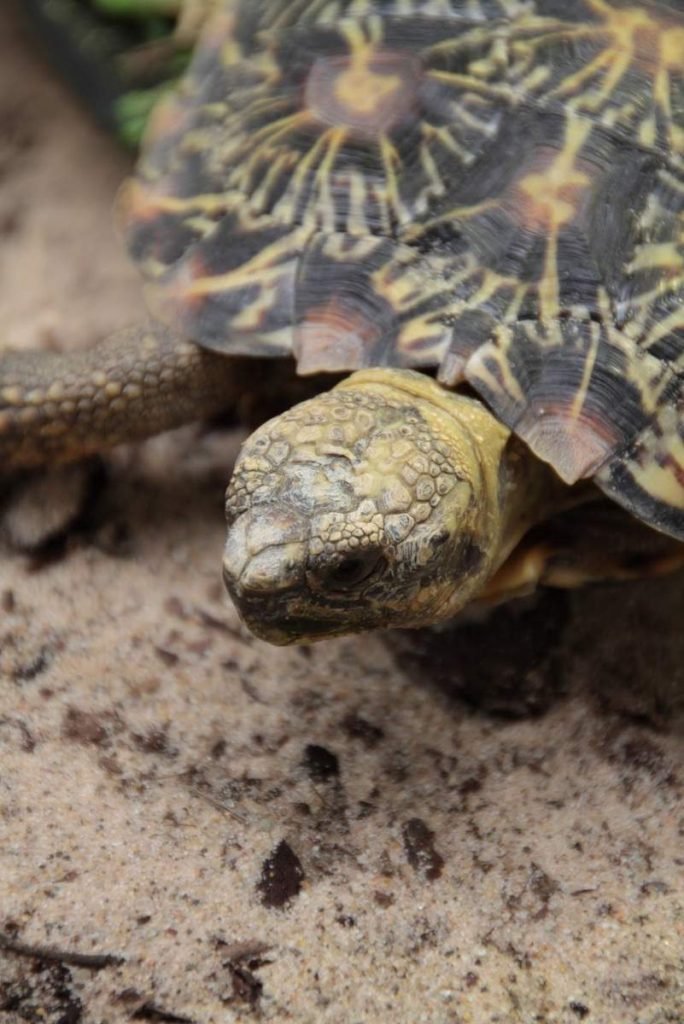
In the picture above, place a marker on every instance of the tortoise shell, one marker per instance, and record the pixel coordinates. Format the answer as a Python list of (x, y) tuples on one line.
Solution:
[(493, 189)]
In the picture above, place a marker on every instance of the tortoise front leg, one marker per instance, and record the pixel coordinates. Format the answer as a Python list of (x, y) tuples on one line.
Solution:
[(57, 407), (595, 542)]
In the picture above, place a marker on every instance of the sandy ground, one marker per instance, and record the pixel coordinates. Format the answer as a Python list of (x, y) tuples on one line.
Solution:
[(482, 827)]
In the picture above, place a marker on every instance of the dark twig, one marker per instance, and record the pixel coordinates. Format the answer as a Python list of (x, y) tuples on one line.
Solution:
[(93, 961)]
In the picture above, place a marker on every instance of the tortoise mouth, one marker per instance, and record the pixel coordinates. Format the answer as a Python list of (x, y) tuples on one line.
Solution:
[(294, 614), (286, 630)]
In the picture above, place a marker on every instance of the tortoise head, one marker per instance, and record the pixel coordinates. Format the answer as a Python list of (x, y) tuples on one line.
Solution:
[(373, 505)]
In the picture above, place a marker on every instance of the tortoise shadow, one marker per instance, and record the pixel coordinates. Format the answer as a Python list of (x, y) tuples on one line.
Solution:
[(620, 647)]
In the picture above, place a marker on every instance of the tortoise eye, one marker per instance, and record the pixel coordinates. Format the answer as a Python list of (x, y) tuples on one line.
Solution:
[(349, 572)]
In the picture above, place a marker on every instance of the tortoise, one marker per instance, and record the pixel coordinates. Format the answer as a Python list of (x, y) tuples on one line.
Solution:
[(470, 215)]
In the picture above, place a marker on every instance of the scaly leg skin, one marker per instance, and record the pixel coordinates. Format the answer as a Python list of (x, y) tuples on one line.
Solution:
[(598, 542), (59, 407)]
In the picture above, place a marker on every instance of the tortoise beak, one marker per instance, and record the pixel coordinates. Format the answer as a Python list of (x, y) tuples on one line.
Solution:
[(265, 553), (265, 573)]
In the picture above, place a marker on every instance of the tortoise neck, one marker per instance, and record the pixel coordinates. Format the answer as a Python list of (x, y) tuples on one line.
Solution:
[(511, 489)]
